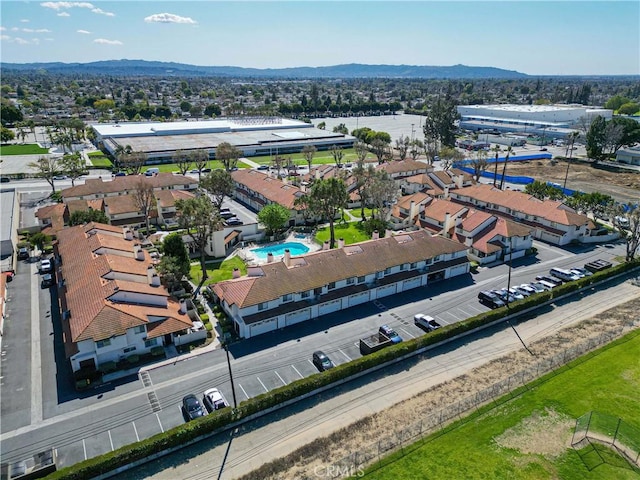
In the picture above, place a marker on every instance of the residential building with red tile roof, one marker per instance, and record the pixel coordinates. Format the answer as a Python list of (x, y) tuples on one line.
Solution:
[(406, 211), (297, 289), (111, 299), (440, 216), (551, 221), (404, 168), (422, 183)]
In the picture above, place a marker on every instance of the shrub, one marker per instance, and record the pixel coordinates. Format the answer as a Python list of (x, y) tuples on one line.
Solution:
[(204, 317), (108, 367), (157, 351), (133, 359)]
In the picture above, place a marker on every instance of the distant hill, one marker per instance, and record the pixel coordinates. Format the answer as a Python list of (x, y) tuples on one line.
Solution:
[(352, 70)]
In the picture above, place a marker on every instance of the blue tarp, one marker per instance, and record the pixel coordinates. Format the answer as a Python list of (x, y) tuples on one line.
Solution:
[(512, 158), (507, 178)]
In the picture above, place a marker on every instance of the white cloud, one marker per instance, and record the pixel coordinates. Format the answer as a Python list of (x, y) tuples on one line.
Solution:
[(39, 30), (15, 29), (67, 5), (63, 14), (85, 32), (24, 20), (169, 18), (2, 29), (104, 41), (43, 30), (21, 41), (5, 37)]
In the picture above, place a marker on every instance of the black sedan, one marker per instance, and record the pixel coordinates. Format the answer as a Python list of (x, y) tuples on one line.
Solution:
[(321, 361), (192, 408)]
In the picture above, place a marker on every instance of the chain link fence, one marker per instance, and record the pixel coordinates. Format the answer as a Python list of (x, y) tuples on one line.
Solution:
[(498, 393)]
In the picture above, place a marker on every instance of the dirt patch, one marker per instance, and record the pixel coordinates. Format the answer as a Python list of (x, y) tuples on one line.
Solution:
[(357, 436), (545, 433), (623, 185)]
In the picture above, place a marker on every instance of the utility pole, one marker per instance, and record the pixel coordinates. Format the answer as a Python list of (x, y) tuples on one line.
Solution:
[(233, 388), (509, 293)]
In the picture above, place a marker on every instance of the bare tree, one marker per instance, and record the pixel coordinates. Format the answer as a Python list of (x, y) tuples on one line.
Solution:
[(144, 198), (627, 220), (228, 154), (362, 150), (450, 155), (415, 148), (308, 152), (337, 154), (613, 133), (73, 166), (133, 162), (496, 149), (182, 160), (383, 191), (199, 158), (47, 167), (379, 147), (504, 167), (402, 146), (278, 162), (479, 164)]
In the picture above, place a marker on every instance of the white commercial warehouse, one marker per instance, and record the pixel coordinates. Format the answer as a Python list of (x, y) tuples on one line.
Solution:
[(252, 135), (550, 120)]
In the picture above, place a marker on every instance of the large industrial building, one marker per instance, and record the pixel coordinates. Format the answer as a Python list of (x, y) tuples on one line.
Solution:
[(554, 121), (252, 135)]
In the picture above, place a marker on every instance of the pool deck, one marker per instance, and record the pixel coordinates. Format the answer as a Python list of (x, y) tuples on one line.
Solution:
[(251, 259)]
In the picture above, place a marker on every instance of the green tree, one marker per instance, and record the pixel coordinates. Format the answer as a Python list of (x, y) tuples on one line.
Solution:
[(341, 128), (133, 162), (596, 138), (39, 240), (9, 113), (543, 191), (382, 193), (173, 246), (626, 218), (144, 198), (80, 217), (363, 177), (47, 167), (213, 110), (479, 164), (199, 158), (629, 108), (182, 160), (73, 166), (449, 156), (337, 154), (439, 123), (228, 154), (171, 272), (6, 135), (325, 199), (274, 216), (615, 102), (629, 132), (200, 219), (104, 105), (219, 184)]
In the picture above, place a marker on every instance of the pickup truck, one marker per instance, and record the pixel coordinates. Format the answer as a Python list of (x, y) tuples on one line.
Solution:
[(374, 343), (426, 322)]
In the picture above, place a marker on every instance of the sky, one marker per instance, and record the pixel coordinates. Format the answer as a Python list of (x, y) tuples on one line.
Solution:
[(533, 37)]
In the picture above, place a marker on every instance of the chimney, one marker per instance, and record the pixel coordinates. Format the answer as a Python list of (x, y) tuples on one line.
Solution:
[(236, 272), (458, 179), (388, 233), (341, 243), (325, 245), (183, 306), (287, 257), (376, 235), (138, 253), (128, 234), (447, 224), (150, 273), (412, 211), (446, 192), (155, 280), (317, 174)]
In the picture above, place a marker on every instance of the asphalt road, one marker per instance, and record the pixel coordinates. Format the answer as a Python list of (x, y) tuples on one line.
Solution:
[(98, 421)]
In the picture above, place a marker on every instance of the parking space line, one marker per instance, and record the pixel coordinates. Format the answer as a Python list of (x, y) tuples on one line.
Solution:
[(297, 371), (346, 356), (160, 423), (84, 447), (136, 431), (243, 391), (265, 388), (455, 317), (412, 336), (311, 363), (110, 440), (279, 377)]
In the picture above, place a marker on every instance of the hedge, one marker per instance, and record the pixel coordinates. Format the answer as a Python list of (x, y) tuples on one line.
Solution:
[(220, 420)]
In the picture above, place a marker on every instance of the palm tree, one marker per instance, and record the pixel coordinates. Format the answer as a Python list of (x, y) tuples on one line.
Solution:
[(497, 150), (504, 167)]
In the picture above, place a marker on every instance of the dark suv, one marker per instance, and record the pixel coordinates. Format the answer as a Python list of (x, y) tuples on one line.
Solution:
[(490, 299), (321, 361), (192, 408), (23, 253)]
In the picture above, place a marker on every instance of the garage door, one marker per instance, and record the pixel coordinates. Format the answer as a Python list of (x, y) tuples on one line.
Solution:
[(328, 307), (358, 298), (411, 283), (263, 327), (459, 270), (386, 290), (296, 317)]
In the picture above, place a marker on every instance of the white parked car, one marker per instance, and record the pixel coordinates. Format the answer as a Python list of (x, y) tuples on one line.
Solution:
[(214, 400), (45, 266)]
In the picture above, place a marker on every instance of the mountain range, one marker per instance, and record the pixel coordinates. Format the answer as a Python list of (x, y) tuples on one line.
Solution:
[(352, 70)]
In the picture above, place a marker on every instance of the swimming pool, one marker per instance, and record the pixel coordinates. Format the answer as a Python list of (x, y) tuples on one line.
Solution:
[(296, 248)]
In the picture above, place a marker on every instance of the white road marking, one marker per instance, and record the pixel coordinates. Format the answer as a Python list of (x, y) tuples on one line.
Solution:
[(412, 336), (311, 363), (265, 388), (111, 440), (243, 391), (281, 379), (297, 371), (346, 356), (160, 423), (135, 430), (84, 447), (36, 358)]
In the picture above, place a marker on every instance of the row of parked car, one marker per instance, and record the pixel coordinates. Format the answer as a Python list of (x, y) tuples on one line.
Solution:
[(556, 277), (229, 217), (212, 400)]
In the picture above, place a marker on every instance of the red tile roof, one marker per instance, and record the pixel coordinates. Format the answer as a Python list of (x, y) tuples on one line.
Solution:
[(438, 208), (273, 189), (405, 166), (96, 186)]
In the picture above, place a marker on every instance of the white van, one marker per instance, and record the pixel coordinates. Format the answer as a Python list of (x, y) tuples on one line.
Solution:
[(563, 274), (151, 171)]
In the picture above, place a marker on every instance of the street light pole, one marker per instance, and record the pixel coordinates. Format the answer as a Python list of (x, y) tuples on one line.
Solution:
[(233, 388)]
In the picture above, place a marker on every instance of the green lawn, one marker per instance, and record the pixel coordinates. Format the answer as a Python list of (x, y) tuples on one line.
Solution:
[(320, 158), (217, 271), (27, 149), (351, 232), (172, 167), (356, 212), (608, 382), (100, 161)]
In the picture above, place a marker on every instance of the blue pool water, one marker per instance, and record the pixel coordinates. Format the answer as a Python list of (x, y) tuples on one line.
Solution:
[(295, 248)]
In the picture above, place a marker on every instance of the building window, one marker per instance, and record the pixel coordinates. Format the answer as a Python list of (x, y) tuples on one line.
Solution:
[(287, 297), (263, 305), (129, 349), (331, 286), (436, 258), (403, 267), (387, 270), (361, 279), (305, 294), (414, 265), (350, 280), (103, 343), (151, 342), (139, 329)]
